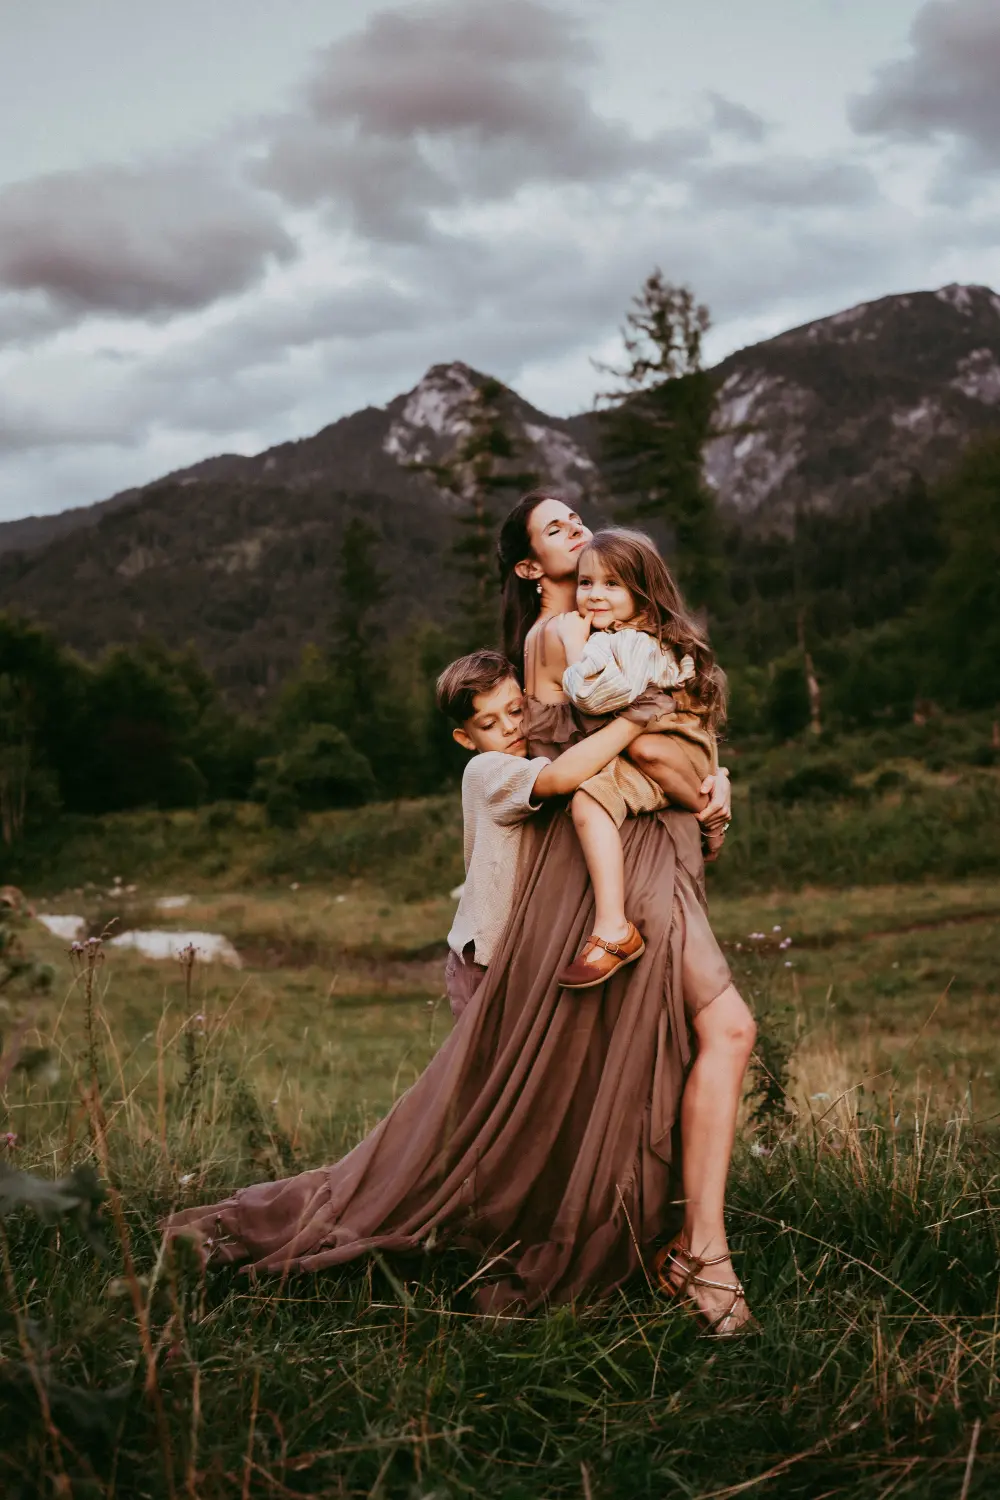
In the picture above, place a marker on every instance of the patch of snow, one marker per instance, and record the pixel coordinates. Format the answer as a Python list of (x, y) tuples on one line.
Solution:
[(138, 561), (171, 903), (430, 408), (957, 296), (849, 315), (68, 928), (155, 943), (560, 452), (735, 405), (979, 377), (918, 416)]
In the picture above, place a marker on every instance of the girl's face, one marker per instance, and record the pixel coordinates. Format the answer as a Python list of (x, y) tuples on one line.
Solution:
[(602, 595), (557, 538)]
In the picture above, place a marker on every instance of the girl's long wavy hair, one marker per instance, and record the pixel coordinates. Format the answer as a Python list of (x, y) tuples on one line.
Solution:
[(632, 558), (521, 602)]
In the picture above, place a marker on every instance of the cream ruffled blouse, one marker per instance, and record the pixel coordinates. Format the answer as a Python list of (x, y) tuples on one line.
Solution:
[(616, 666)]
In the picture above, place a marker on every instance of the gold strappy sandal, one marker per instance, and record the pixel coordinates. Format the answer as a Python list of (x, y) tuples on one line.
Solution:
[(722, 1326)]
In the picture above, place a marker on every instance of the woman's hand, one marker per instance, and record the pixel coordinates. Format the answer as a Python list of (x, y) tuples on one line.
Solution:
[(716, 817), (575, 632)]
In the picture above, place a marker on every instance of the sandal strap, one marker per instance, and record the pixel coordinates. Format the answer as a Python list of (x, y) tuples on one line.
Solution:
[(615, 949), (736, 1287)]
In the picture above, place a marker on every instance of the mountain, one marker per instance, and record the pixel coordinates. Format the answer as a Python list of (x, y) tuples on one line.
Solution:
[(847, 408), (238, 554)]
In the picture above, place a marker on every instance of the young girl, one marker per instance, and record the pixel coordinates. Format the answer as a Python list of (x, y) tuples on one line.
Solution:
[(645, 640)]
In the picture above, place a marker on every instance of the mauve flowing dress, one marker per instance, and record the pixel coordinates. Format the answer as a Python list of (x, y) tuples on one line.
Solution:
[(542, 1132)]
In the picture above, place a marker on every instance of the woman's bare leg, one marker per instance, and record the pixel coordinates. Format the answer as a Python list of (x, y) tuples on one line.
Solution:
[(725, 1032)]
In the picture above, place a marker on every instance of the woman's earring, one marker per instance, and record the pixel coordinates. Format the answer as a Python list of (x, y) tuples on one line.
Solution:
[(538, 587)]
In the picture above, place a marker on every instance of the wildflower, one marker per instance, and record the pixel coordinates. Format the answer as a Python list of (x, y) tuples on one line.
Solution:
[(186, 1179), (775, 929), (294, 885), (819, 1096), (757, 1149), (789, 964), (10, 1139)]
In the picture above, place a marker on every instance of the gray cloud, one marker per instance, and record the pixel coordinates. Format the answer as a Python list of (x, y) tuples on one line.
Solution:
[(148, 241), (948, 87), (453, 103), (456, 193), (785, 182), (732, 118)]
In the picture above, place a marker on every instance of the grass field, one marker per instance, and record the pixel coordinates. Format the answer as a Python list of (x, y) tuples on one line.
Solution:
[(867, 1215)]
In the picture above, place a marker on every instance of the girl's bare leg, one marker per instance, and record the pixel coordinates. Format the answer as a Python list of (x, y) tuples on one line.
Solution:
[(602, 850), (725, 1032)]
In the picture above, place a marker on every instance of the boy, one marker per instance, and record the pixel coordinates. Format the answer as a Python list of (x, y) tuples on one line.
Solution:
[(501, 789)]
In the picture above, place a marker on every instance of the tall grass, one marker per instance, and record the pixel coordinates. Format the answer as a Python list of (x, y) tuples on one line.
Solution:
[(867, 1239)]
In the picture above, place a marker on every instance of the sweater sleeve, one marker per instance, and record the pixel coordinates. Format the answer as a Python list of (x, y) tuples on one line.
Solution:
[(616, 666)]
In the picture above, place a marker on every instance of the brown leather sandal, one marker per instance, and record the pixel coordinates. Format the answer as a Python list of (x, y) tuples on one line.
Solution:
[(584, 976), (677, 1256)]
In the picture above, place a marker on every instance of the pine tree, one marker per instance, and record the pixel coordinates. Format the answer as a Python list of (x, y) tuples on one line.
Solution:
[(655, 424), (480, 473), (361, 589)]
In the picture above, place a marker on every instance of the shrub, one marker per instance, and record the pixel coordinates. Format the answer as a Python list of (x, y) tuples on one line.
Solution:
[(321, 769)]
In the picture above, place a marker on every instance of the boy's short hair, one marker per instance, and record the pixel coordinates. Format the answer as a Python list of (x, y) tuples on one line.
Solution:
[(462, 682)]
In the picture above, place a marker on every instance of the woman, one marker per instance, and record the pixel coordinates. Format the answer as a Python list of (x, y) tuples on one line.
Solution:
[(540, 1135), (540, 544)]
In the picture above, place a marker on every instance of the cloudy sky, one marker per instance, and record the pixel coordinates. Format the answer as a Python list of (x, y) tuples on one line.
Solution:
[(224, 223)]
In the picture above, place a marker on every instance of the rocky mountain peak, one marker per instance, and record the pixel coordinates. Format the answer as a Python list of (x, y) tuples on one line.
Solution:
[(845, 409), (429, 422), (432, 415)]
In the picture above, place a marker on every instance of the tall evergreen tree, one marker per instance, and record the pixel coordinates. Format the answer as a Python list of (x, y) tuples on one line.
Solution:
[(481, 472), (361, 590), (962, 615), (655, 424)]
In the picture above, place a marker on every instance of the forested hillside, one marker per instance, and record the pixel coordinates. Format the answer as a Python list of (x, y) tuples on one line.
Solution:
[(271, 627)]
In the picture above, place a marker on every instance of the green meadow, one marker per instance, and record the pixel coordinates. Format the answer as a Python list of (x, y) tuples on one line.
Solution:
[(865, 1198)]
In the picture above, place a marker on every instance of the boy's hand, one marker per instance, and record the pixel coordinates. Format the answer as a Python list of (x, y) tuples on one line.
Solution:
[(575, 631)]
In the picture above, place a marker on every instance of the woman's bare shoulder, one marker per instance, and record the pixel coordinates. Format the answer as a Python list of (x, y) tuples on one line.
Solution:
[(545, 659)]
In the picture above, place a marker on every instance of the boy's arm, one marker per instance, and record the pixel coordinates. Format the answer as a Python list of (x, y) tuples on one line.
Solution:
[(577, 764)]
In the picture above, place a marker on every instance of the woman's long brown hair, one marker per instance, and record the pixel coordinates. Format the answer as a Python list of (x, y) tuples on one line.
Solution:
[(631, 557), (521, 601)]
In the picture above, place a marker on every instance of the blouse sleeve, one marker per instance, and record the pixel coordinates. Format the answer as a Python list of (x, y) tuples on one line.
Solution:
[(614, 669)]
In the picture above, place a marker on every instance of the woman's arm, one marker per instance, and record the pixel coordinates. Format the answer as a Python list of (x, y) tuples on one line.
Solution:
[(719, 812), (577, 764)]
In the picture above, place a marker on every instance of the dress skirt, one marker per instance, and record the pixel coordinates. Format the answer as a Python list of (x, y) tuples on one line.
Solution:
[(543, 1131)]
